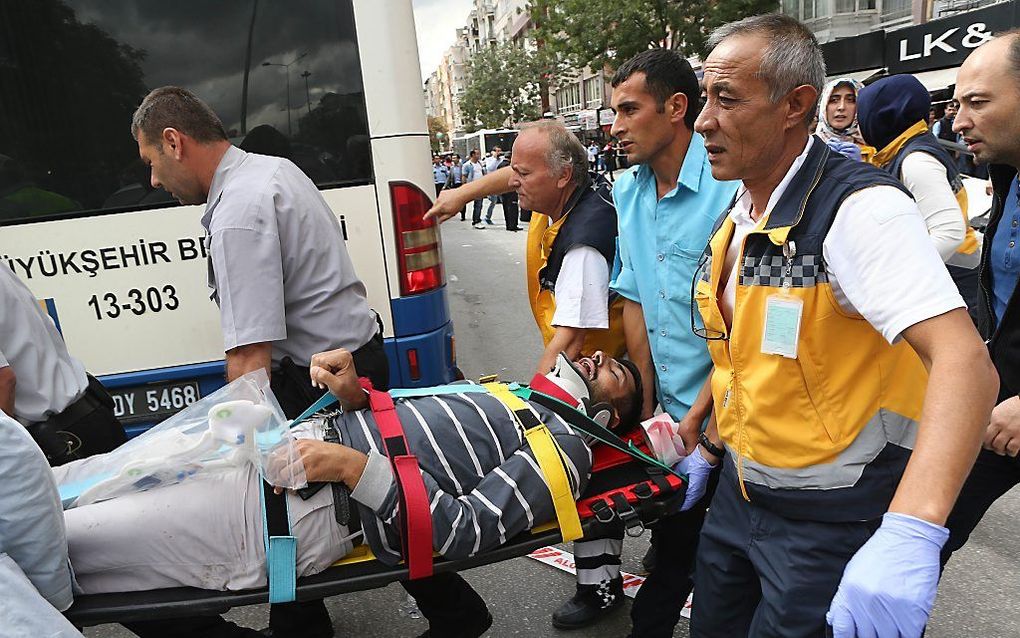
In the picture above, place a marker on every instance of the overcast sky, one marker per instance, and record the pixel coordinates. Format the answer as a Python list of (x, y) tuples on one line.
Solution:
[(436, 22)]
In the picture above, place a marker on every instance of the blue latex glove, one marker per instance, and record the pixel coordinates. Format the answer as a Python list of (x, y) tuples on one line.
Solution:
[(697, 470), (847, 149), (888, 587)]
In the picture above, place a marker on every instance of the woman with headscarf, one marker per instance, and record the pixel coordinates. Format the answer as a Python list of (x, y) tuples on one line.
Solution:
[(837, 119), (893, 117)]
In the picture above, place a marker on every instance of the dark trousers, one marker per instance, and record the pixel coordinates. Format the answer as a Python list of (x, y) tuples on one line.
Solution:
[(449, 603), (510, 213), (493, 200), (991, 477), (656, 609), (86, 427), (476, 213), (762, 574), (293, 387), (439, 187)]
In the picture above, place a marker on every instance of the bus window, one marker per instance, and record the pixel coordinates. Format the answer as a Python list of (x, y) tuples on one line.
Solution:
[(284, 77)]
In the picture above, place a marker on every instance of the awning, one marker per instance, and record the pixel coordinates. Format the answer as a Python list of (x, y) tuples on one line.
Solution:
[(937, 80), (860, 76)]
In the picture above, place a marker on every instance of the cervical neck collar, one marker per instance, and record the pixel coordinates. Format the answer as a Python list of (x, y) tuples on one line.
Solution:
[(566, 384)]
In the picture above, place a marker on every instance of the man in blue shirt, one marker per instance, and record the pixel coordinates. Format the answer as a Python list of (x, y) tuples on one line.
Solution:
[(667, 205), (440, 173), (988, 94)]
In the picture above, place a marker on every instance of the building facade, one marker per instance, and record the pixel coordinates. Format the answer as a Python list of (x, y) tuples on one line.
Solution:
[(576, 99)]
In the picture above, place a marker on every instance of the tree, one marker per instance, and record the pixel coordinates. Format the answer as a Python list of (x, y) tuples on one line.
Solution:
[(606, 33), (502, 86), (437, 132)]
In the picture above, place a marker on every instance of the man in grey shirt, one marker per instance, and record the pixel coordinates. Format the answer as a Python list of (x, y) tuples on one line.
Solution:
[(43, 387), (278, 268)]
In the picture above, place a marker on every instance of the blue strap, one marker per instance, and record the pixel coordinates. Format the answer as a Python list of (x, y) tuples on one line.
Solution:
[(456, 388), (281, 566), (328, 399), (281, 558)]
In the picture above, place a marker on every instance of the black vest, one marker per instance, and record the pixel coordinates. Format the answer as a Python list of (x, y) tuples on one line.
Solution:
[(927, 143), (591, 221), (946, 130)]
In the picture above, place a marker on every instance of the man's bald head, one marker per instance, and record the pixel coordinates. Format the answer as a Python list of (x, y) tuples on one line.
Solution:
[(988, 89)]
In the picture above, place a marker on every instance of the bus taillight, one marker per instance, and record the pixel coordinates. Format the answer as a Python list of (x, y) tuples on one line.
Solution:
[(418, 243)]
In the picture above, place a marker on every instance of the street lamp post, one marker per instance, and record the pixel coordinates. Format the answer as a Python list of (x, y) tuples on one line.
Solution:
[(308, 99), (286, 68)]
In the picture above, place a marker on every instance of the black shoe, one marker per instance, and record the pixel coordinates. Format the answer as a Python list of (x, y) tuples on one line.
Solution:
[(587, 607), (476, 629)]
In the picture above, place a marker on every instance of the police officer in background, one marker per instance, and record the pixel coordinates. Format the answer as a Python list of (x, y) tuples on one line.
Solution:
[(68, 413), (286, 289)]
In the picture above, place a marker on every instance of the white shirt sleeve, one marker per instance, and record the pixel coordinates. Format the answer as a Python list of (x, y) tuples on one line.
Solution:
[(883, 263), (582, 290), (925, 177)]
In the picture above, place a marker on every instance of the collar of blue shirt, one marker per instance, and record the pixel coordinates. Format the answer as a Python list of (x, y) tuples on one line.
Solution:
[(690, 171)]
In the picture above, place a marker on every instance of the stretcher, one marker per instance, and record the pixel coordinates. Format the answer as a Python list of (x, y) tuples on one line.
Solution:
[(623, 491)]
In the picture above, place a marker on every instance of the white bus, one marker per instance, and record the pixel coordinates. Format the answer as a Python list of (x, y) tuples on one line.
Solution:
[(484, 141), (333, 85)]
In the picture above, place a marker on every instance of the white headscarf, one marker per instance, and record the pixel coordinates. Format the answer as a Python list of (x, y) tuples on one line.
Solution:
[(825, 131)]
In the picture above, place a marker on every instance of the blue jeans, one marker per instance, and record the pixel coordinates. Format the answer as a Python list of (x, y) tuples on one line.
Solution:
[(492, 203)]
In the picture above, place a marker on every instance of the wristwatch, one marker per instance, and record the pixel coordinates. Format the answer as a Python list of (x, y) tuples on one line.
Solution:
[(712, 448)]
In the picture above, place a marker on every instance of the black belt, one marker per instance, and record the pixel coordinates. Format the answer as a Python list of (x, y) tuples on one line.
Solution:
[(52, 435), (276, 511)]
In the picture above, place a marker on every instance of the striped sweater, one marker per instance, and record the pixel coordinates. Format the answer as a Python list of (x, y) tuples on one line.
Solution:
[(483, 481)]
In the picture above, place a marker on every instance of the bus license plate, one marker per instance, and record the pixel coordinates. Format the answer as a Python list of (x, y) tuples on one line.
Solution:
[(153, 401)]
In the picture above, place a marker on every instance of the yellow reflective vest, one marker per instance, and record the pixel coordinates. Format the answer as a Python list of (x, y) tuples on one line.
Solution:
[(826, 435)]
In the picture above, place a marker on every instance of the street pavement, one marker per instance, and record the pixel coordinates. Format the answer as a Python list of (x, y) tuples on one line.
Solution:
[(496, 334)]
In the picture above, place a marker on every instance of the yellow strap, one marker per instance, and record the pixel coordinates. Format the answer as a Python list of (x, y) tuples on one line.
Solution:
[(550, 461)]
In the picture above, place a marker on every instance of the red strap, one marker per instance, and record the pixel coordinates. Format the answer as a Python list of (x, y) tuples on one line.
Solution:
[(584, 506), (414, 503)]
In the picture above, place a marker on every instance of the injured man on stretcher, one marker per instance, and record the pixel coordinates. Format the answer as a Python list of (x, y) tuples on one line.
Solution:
[(482, 479)]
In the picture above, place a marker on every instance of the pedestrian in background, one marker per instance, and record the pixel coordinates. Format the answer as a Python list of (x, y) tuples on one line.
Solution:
[(440, 173), (456, 179), (510, 203), (609, 159), (473, 171), (489, 166), (837, 119)]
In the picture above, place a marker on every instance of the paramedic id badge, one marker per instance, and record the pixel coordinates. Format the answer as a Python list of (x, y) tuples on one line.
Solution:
[(782, 325)]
